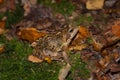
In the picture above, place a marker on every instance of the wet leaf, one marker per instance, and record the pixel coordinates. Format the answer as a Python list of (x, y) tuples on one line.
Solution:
[(116, 30), (47, 59), (78, 47), (30, 34), (26, 6), (2, 27), (102, 62), (33, 2), (2, 48), (2, 31), (84, 32), (2, 24), (94, 4), (96, 46), (34, 59), (115, 67), (107, 59), (1, 1), (116, 55), (12, 5)]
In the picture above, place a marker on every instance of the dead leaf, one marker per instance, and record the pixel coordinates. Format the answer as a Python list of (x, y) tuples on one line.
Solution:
[(2, 24), (1, 1), (116, 55), (78, 47), (2, 31), (94, 4), (30, 34), (116, 30), (33, 2), (107, 59), (96, 46), (64, 72), (12, 5), (34, 59), (115, 67), (47, 59), (26, 6), (84, 32), (2, 27), (102, 62), (2, 47)]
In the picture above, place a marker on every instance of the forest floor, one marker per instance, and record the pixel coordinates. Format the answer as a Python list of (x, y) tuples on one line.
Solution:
[(59, 39)]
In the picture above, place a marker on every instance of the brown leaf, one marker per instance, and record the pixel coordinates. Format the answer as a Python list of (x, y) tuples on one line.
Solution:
[(30, 34), (12, 5), (107, 59), (116, 30), (34, 59), (78, 47), (94, 4), (102, 63), (2, 27), (33, 2), (1, 1), (116, 55), (84, 32), (2, 24), (96, 46), (2, 31), (115, 67), (2, 47), (26, 6)]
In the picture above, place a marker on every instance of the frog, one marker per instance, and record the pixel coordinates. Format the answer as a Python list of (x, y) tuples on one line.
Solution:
[(50, 45)]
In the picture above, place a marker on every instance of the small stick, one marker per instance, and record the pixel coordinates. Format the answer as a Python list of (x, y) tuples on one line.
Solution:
[(65, 70)]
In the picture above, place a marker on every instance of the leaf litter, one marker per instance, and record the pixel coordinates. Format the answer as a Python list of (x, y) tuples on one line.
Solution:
[(52, 35)]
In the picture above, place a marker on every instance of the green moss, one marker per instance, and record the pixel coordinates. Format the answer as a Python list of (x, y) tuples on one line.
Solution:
[(79, 68), (83, 20), (15, 66), (13, 16), (64, 7)]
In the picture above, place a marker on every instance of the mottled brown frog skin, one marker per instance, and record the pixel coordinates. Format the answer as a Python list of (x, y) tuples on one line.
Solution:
[(51, 43)]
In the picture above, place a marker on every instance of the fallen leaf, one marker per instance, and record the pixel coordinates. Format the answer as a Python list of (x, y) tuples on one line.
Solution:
[(107, 59), (2, 27), (102, 62), (78, 47), (94, 4), (115, 67), (1, 1), (12, 5), (30, 34), (2, 47), (2, 31), (2, 24), (96, 46), (26, 6), (64, 72), (116, 30), (84, 32), (116, 55), (47, 59), (34, 59), (33, 2)]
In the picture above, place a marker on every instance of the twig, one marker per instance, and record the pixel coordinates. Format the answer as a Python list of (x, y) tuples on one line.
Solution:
[(65, 70)]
